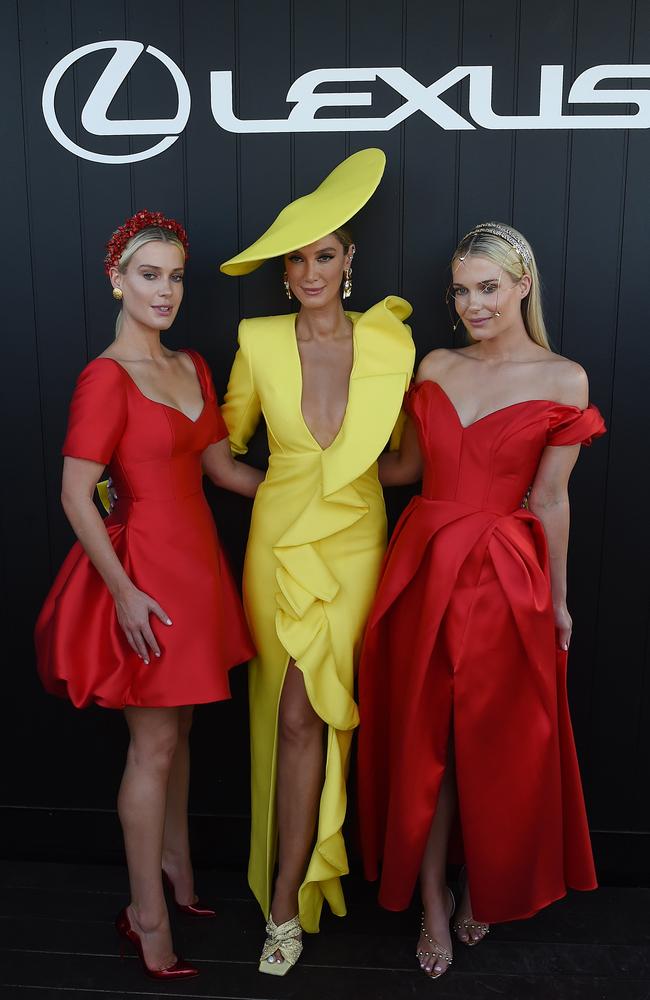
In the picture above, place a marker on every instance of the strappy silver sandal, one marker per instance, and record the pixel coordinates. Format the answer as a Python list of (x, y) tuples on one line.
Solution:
[(468, 923), (436, 951)]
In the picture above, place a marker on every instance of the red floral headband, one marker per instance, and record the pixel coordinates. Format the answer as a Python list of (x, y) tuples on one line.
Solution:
[(141, 220)]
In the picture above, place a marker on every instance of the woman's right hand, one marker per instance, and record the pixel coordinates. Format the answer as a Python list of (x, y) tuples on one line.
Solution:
[(133, 608), (112, 494)]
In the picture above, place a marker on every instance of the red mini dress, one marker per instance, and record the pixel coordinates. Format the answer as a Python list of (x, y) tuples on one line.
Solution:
[(461, 642), (164, 534)]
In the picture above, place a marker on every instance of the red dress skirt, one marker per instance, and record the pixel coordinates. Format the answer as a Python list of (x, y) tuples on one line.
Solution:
[(461, 644), (164, 535)]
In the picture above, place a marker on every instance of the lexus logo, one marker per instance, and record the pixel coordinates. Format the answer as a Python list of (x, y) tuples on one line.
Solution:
[(93, 116), (307, 101)]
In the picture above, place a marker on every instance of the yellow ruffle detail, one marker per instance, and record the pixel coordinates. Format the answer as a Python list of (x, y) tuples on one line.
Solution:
[(327, 556)]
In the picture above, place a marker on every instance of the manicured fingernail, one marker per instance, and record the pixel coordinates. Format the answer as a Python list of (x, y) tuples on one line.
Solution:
[(169, 621), (146, 660)]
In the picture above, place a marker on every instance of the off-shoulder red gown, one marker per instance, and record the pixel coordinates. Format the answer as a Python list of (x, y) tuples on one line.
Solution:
[(461, 640), (164, 534)]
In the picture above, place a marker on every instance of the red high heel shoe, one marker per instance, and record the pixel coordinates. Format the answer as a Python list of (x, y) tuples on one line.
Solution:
[(191, 909), (179, 970)]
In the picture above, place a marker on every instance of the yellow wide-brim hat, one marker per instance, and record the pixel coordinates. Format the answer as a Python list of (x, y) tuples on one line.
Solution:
[(307, 219)]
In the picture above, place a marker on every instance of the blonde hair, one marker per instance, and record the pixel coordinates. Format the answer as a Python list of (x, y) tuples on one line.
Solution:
[(141, 238), (344, 236), (483, 243)]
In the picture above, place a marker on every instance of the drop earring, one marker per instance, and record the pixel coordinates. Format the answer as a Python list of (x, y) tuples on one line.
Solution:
[(287, 286), (454, 326), (347, 284)]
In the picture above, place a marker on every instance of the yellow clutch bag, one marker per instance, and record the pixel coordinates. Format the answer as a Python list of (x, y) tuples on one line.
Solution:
[(102, 490)]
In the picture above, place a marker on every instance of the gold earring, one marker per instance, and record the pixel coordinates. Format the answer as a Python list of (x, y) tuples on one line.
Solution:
[(347, 284), (287, 286), (117, 294), (454, 326)]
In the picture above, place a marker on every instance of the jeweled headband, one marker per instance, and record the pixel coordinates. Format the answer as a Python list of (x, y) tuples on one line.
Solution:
[(496, 229), (141, 220)]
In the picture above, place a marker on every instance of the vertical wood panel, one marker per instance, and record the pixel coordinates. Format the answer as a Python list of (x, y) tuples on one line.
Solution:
[(104, 190), (376, 39), (212, 299), (56, 248), (430, 174), (158, 183), (25, 558), (542, 158), (320, 37), (60, 310), (620, 759), (264, 74), (489, 37), (590, 312)]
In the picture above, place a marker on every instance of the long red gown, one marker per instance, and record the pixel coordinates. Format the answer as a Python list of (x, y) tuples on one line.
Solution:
[(163, 532), (461, 640)]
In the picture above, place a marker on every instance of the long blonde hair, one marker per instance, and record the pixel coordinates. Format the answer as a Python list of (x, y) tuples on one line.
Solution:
[(144, 236), (482, 243)]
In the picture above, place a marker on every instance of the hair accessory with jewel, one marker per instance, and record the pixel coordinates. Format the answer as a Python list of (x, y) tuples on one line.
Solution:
[(497, 229), (141, 220)]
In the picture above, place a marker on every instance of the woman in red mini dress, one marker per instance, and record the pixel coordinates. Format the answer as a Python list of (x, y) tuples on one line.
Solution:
[(464, 715), (144, 615)]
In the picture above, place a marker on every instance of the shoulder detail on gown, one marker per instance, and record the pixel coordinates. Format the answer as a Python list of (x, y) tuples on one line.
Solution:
[(97, 414), (382, 370), (571, 425)]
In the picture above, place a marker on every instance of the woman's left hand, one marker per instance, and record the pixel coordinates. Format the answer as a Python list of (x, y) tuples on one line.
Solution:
[(563, 626), (107, 494)]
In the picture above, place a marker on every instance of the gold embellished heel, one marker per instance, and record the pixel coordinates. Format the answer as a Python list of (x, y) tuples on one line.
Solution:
[(285, 938), (437, 952)]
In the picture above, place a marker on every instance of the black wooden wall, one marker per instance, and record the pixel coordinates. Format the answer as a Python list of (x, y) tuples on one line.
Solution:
[(580, 196)]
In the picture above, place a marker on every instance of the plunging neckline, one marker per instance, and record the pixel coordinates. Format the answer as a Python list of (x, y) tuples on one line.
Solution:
[(159, 402), (500, 409), (355, 354)]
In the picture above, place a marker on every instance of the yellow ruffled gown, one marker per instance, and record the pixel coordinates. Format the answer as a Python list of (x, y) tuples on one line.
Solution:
[(317, 538)]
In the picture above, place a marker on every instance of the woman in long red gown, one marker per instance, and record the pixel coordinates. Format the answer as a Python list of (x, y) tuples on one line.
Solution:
[(462, 690), (144, 615)]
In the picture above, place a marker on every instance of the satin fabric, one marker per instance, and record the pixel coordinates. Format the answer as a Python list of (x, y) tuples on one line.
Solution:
[(164, 535), (315, 548), (461, 646)]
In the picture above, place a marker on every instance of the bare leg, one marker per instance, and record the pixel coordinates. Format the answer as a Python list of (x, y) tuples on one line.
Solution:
[(176, 842), (435, 897), (299, 786), (141, 806)]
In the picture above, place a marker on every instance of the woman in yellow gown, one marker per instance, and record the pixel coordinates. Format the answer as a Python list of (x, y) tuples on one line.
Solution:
[(330, 386)]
